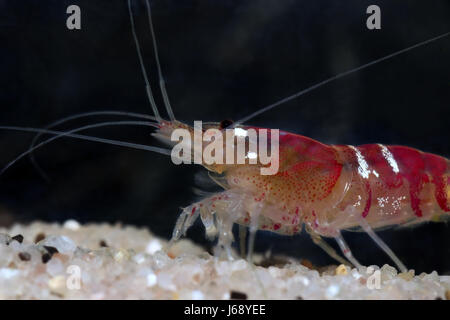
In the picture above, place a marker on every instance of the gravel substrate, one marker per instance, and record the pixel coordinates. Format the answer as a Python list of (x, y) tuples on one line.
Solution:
[(100, 261)]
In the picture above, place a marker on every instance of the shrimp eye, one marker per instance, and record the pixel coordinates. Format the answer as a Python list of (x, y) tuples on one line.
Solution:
[(225, 123)]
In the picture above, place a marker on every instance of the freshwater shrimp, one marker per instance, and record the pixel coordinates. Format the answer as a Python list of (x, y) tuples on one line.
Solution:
[(326, 188)]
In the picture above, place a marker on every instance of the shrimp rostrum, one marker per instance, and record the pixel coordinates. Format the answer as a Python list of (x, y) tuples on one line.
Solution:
[(321, 188)]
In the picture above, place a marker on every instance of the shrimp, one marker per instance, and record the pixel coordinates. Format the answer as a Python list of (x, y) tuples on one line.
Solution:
[(323, 188), (327, 188)]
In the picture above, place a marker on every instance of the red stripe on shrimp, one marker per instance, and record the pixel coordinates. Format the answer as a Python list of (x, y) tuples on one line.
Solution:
[(369, 200), (412, 167), (437, 166)]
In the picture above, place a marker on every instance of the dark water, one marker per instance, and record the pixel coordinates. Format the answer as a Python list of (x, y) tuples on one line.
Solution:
[(221, 59)]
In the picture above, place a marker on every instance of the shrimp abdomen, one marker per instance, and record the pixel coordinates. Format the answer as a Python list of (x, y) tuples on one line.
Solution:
[(397, 183)]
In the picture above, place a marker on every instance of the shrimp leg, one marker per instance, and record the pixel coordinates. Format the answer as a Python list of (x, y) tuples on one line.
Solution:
[(253, 228), (318, 240), (346, 250), (382, 245), (242, 238)]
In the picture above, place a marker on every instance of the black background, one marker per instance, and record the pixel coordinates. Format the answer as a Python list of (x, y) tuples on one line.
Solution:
[(221, 59)]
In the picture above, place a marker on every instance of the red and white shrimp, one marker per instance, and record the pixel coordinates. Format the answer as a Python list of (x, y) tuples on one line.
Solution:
[(326, 188)]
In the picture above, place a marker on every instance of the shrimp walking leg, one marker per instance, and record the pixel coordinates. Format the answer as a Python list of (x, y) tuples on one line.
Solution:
[(242, 238), (251, 244), (383, 245), (318, 240), (218, 214), (254, 226), (346, 250), (184, 221)]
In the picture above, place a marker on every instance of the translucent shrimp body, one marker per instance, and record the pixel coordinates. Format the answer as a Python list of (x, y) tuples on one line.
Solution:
[(328, 188)]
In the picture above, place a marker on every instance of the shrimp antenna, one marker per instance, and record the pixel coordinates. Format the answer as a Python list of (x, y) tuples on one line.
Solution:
[(72, 134), (141, 62), (338, 76), (162, 83), (77, 116)]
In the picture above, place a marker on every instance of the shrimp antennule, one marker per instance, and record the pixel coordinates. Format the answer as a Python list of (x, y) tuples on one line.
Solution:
[(162, 83), (141, 63), (144, 71)]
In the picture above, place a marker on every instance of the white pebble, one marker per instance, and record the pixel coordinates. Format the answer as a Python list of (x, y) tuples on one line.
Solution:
[(57, 283), (121, 255), (15, 245), (7, 273), (152, 279), (4, 238), (388, 272), (165, 281), (432, 277), (332, 291), (197, 295), (274, 271), (356, 274), (55, 267), (153, 246), (64, 244), (97, 296), (241, 264), (85, 278), (71, 225), (139, 258), (304, 280), (389, 269), (161, 259)]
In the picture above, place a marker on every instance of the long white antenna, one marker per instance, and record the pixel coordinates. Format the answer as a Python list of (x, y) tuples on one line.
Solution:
[(340, 75), (77, 116), (72, 134), (141, 62), (161, 79)]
